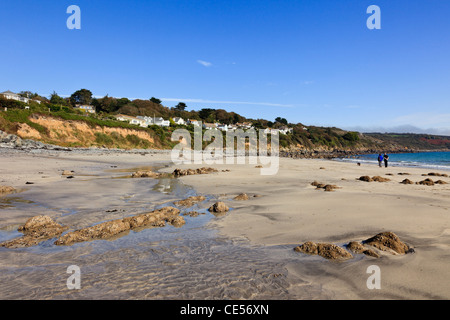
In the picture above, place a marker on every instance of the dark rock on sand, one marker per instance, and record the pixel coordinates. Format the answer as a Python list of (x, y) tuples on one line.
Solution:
[(387, 241), (242, 196), (375, 178), (35, 230), (218, 207), (326, 187), (380, 179), (436, 174), (426, 182), (357, 247), (189, 202), (145, 174), (407, 181), (187, 172), (325, 250), (109, 229), (192, 213)]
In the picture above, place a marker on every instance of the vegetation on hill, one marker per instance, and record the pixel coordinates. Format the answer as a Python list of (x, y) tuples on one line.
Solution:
[(302, 136)]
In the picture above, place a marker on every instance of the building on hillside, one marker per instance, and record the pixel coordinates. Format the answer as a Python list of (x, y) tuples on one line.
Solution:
[(179, 120), (222, 127), (286, 130), (85, 108), (195, 123), (159, 121), (209, 126), (14, 96), (132, 120), (244, 125)]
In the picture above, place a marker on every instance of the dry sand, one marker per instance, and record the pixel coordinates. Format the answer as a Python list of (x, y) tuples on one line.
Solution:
[(286, 212), (290, 211)]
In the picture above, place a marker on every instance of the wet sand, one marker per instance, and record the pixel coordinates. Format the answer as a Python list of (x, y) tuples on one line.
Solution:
[(245, 254)]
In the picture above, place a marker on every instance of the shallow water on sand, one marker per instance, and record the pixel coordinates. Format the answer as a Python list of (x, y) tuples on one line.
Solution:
[(191, 262)]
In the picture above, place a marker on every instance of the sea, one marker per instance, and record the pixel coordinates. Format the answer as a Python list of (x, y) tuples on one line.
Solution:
[(430, 160)]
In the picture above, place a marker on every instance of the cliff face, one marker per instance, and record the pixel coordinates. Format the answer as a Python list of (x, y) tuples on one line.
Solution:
[(68, 133), (316, 143)]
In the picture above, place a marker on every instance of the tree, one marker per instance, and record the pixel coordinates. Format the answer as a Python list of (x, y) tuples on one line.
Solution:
[(28, 94), (154, 100), (281, 120), (56, 99), (180, 106), (82, 96), (351, 136)]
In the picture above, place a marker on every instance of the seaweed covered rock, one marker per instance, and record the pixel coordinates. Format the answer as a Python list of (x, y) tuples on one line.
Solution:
[(426, 182), (109, 229), (4, 190), (35, 230), (357, 247), (186, 172), (241, 197), (387, 241), (365, 178), (189, 202), (326, 250), (145, 174), (218, 207)]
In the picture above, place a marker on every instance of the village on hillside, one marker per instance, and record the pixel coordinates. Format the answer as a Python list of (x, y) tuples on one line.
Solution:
[(146, 121)]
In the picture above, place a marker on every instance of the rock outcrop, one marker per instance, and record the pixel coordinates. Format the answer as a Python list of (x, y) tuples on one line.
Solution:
[(407, 181), (218, 207), (384, 241), (145, 174), (241, 197), (357, 247), (109, 229), (325, 250), (374, 178), (189, 202), (387, 241), (186, 172), (326, 187), (35, 230), (4, 190)]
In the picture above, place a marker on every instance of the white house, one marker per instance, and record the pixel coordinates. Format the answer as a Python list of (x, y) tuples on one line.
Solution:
[(179, 120), (286, 130), (132, 120), (85, 108), (244, 125), (159, 121), (14, 96), (209, 126), (223, 127)]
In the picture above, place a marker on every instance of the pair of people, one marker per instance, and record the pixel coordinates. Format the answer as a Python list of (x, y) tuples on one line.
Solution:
[(384, 158)]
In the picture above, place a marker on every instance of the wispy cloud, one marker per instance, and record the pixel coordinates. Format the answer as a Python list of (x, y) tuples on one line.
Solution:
[(308, 82), (269, 104), (205, 63)]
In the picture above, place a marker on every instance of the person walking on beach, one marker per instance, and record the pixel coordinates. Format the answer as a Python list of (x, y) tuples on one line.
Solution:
[(380, 159), (386, 158)]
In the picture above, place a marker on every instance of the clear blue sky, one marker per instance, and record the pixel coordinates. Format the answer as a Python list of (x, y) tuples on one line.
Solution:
[(309, 61)]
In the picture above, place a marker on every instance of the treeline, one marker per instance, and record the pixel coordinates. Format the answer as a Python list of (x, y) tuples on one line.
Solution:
[(107, 107)]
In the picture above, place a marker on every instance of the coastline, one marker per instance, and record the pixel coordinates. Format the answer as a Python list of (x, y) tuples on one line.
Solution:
[(286, 212)]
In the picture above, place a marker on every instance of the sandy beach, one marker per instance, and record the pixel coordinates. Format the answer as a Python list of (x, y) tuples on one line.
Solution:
[(283, 211)]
